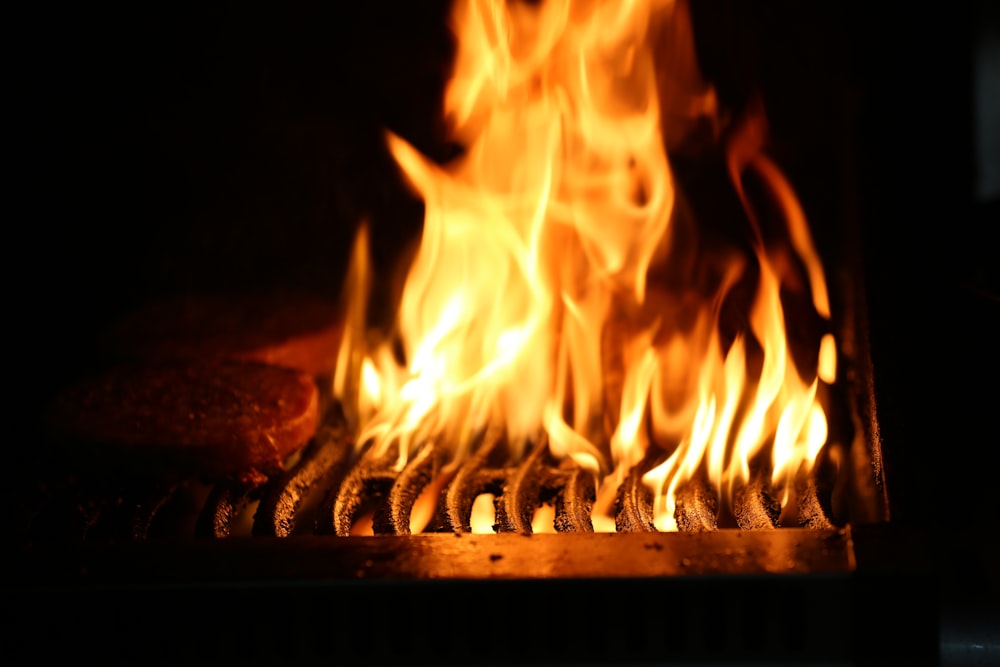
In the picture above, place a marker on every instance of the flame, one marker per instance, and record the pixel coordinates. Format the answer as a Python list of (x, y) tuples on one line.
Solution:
[(557, 288), (483, 514)]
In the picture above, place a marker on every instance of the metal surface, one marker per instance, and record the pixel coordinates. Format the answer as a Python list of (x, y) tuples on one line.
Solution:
[(431, 557)]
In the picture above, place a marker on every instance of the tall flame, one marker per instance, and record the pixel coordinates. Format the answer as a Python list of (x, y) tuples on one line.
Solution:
[(551, 293)]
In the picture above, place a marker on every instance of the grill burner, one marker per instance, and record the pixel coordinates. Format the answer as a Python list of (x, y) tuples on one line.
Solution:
[(332, 485), (733, 594), (326, 491), (229, 556)]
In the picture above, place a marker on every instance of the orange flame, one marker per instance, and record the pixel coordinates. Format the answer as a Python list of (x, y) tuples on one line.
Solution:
[(538, 300)]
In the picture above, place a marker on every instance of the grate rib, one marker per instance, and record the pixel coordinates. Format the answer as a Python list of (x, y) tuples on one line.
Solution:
[(697, 507), (481, 473), (754, 505), (392, 515), (522, 491), (322, 464), (634, 502), (575, 492), (225, 503)]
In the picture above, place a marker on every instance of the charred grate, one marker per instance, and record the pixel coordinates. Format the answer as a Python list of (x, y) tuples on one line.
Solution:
[(332, 489)]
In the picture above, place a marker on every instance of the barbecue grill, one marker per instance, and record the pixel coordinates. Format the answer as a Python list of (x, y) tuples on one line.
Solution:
[(895, 564)]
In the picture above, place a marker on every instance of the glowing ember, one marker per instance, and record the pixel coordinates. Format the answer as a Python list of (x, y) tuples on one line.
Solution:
[(561, 287)]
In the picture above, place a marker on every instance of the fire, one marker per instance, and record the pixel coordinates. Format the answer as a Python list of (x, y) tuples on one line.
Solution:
[(561, 287)]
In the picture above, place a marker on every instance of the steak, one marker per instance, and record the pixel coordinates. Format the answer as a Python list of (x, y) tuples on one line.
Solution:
[(239, 419)]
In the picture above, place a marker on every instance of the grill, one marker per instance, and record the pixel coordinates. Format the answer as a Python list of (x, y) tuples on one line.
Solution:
[(272, 572), (325, 492)]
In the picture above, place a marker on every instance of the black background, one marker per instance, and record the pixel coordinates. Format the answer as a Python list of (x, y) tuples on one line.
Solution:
[(161, 147)]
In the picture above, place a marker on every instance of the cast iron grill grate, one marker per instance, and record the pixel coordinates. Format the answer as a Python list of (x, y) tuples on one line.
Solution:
[(331, 487)]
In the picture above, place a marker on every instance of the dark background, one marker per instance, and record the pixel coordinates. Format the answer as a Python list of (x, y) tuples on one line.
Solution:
[(162, 147)]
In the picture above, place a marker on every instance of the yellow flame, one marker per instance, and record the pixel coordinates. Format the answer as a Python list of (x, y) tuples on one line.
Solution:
[(543, 520), (550, 291), (827, 370), (483, 514)]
